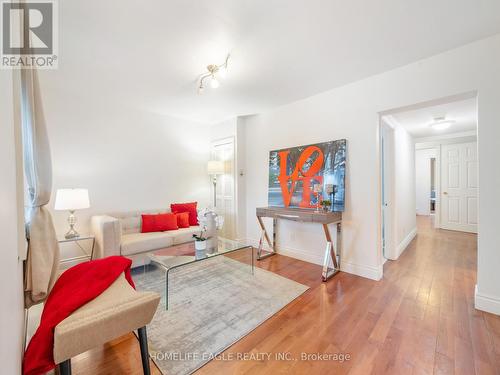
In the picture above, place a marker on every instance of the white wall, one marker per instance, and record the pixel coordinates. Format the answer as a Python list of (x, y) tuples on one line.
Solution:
[(11, 290), (128, 158), (223, 129), (404, 192), (423, 179), (351, 112), (321, 118)]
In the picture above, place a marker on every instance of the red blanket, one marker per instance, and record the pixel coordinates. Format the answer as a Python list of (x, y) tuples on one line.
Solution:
[(76, 286)]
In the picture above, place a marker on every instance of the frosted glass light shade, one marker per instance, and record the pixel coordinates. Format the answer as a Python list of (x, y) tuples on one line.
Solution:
[(441, 125), (222, 73), (214, 83), (72, 199), (215, 167)]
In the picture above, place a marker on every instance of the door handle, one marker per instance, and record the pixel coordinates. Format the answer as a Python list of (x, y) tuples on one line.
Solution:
[(445, 192)]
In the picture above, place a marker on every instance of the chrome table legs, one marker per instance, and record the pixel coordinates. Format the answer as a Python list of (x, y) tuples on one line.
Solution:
[(263, 235), (331, 253), (331, 260)]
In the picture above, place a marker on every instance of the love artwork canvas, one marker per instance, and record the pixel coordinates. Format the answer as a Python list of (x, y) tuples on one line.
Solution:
[(305, 176)]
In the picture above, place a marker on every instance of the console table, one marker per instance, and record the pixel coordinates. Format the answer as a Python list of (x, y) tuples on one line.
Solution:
[(309, 216)]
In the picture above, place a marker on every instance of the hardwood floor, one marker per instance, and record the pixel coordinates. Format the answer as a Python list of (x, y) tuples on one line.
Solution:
[(419, 319)]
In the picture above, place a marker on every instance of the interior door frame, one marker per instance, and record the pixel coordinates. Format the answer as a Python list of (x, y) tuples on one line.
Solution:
[(437, 180), (222, 141), (387, 212)]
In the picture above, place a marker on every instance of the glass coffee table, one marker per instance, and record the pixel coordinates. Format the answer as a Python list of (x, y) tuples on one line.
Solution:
[(181, 255)]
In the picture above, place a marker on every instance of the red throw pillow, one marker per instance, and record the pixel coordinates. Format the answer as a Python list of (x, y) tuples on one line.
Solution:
[(158, 223), (183, 219), (178, 208)]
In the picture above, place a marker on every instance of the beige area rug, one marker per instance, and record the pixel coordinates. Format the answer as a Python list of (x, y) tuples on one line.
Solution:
[(212, 304)]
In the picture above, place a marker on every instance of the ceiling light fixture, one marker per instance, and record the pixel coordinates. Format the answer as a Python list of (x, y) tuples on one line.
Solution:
[(214, 83), (214, 72), (440, 123)]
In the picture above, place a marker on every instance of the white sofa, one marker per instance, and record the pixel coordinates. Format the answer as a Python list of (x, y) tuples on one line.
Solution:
[(120, 234)]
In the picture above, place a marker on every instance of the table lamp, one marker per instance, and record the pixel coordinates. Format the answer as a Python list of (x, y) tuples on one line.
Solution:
[(72, 200), (215, 167)]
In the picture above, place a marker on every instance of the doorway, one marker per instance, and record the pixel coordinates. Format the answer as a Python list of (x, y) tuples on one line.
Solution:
[(225, 197), (432, 201), (428, 166), (425, 181)]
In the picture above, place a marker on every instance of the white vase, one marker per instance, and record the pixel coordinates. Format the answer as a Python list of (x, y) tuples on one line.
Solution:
[(200, 245)]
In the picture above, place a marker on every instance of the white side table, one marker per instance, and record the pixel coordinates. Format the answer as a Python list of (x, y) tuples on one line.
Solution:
[(77, 240)]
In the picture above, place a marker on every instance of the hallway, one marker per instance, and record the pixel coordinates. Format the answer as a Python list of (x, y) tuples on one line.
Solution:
[(436, 316)]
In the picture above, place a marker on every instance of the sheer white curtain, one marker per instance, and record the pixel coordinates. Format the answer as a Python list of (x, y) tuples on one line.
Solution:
[(43, 249)]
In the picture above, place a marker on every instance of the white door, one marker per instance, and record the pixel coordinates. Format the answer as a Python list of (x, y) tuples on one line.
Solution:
[(225, 193), (459, 187)]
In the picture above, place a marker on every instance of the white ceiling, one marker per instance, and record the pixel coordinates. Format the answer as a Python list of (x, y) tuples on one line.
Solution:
[(417, 121), (148, 54)]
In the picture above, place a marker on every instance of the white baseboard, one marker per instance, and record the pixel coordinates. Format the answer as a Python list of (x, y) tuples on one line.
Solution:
[(373, 273), (301, 254), (291, 252), (406, 241), (370, 272), (486, 303)]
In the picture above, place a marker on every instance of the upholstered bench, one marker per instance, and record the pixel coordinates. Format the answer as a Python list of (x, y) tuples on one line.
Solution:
[(118, 310)]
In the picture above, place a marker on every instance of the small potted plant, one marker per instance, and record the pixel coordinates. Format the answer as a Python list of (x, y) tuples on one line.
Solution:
[(200, 241), (200, 245), (326, 204)]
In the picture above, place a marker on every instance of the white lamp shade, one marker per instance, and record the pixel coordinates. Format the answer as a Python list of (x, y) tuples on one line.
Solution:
[(72, 199), (215, 167)]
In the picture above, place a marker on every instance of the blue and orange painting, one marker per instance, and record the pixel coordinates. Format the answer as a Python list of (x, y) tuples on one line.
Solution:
[(294, 172)]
